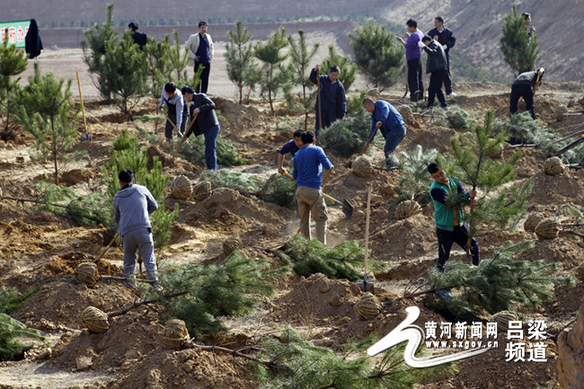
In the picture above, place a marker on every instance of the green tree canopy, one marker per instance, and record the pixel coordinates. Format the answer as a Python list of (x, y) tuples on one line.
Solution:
[(518, 48)]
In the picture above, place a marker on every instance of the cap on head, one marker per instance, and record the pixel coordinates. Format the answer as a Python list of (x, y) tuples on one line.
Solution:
[(126, 176), (433, 168)]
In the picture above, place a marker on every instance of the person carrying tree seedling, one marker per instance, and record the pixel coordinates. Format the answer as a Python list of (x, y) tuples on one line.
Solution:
[(201, 110), (450, 227), (333, 104), (393, 128), (525, 86), (446, 38), (174, 101), (414, 59), (292, 146), (132, 206), (437, 66), (309, 163)]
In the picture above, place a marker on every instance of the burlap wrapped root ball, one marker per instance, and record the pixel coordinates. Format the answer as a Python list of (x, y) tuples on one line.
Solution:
[(181, 188), (407, 208), (231, 244), (367, 307), (362, 167), (561, 113), (502, 319), (202, 190), (547, 229), (406, 112), (553, 166), (532, 221), (176, 334), (95, 319), (87, 273)]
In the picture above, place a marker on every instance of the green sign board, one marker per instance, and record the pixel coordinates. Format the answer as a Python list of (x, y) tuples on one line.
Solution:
[(15, 31)]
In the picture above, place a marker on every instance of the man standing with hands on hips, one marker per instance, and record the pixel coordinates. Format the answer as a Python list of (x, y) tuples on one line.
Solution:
[(202, 50)]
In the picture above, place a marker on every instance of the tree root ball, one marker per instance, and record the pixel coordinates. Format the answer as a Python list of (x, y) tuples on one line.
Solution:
[(553, 166), (502, 319), (547, 229), (202, 190), (561, 113), (407, 208), (367, 307), (87, 273), (231, 244), (532, 221), (95, 319), (362, 167), (175, 334), (181, 188)]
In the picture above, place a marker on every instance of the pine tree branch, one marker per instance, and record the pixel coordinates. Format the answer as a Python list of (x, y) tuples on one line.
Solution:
[(139, 303), (570, 146)]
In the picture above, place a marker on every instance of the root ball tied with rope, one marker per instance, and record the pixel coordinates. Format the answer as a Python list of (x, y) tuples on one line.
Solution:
[(87, 273), (547, 229), (95, 319), (367, 307), (176, 334), (202, 190), (532, 221), (181, 188), (553, 166), (407, 208), (502, 319), (362, 167)]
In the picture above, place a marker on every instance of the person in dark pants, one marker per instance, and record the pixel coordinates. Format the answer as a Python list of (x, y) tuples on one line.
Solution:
[(446, 38), (525, 86), (393, 128), (292, 146), (437, 66), (139, 37), (201, 50), (174, 101), (333, 104), (132, 205), (449, 220), (414, 58), (201, 109)]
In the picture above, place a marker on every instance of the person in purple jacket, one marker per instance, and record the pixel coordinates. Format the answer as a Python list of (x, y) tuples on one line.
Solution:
[(414, 58), (309, 163)]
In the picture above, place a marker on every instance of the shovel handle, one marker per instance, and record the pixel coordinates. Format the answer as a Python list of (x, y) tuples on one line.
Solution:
[(108, 246), (82, 106), (324, 194), (367, 217)]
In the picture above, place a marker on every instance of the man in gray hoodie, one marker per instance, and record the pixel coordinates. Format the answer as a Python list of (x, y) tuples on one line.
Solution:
[(132, 205)]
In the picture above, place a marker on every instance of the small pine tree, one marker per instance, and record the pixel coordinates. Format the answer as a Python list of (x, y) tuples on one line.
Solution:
[(12, 62), (377, 54), (518, 48), (414, 180), (12, 335), (275, 75), (95, 48), (348, 68), (239, 57), (348, 135), (48, 115), (11, 299), (300, 57)]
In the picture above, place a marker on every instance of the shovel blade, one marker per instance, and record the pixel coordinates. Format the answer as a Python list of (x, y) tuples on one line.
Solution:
[(87, 137), (347, 208)]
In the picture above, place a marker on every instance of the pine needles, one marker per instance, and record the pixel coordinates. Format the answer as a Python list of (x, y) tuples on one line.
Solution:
[(415, 180), (12, 334), (348, 135), (280, 190), (11, 299)]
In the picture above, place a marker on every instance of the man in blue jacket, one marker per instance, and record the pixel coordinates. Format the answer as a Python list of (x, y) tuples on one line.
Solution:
[(333, 104), (393, 127), (132, 206), (449, 219), (446, 38), (309, 162)]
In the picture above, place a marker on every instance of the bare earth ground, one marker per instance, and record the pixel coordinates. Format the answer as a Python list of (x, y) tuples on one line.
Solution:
[(39, 248)]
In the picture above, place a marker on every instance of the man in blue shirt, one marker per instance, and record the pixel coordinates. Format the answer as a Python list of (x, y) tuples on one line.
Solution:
[(392, 125), (309, 163), (201, 50), (292, 146)]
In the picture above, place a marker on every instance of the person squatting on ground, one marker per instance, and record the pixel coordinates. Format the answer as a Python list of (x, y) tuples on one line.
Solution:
[(132, 205), (446, 38), (333, 103), (309, 163), (393, 128), (202, 50), (414, 59), (525, 86), (174, 102), (139, 37), (201, 109), (437, 66), (449, 226), (292, 146)]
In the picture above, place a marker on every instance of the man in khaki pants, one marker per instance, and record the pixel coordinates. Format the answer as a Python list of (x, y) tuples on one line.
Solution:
[(309, 163)]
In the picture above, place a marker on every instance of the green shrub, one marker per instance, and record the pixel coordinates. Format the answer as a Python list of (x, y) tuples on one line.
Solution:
[(227, 154), (348, 135), (280, 190), (11, 299), (231, 179), (12, 335)]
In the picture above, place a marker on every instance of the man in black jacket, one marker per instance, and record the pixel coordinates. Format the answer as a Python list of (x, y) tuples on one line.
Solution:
[(139, 37), (446, 38), (201, 109), (437, 66), (333, 104), (525, 86)]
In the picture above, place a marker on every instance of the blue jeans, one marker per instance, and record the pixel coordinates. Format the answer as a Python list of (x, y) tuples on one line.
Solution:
[(392, 139), (211, 147)]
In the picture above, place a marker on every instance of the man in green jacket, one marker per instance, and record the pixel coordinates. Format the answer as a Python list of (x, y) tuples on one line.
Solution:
[(449, 219)]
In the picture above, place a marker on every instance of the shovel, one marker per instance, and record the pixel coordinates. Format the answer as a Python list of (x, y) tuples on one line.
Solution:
[(347, 206), (108, 246), (85, 136), (365, 285)]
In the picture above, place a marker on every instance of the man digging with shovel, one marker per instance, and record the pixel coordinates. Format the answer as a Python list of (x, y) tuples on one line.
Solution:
[(174, 101), (132, 205)]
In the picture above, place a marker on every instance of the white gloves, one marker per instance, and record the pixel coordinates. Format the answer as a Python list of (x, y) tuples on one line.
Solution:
[(421, 44), (445, 47)]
